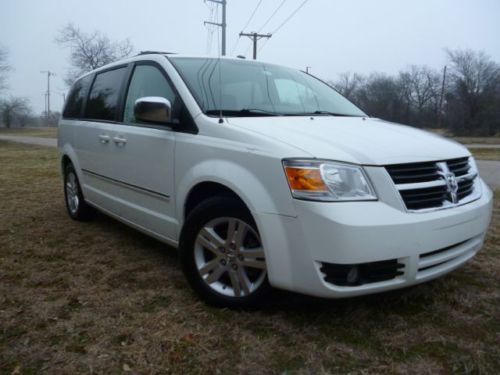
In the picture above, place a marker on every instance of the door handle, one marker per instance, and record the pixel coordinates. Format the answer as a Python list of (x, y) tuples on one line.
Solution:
[(119, 140), (103, 138)]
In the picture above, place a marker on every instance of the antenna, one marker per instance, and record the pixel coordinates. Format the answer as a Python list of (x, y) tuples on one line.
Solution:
[(221, 120)]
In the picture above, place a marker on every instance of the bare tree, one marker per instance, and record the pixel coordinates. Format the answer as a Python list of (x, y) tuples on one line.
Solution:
[(473, 98), (420, 87), (349, 84), (90, 50), (15, 111), (4, 68), (382, 96)]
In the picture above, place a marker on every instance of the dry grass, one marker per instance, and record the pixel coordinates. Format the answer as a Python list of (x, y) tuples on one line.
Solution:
[(486, 153), (492, 140), (100, 297), (478, 140), (31, 132)]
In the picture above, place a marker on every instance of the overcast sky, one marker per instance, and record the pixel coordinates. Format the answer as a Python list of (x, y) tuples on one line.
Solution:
[(330, 36)]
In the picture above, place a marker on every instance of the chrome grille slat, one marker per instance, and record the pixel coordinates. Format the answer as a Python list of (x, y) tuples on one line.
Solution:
[(459, 167), (434, 185), (421, 185)]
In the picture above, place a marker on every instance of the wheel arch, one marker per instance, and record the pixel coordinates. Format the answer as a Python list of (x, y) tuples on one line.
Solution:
[(68, 156), (65, 161), (204, 190), (261, 191)]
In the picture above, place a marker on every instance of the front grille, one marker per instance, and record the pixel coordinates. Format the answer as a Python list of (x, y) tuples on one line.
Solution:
[(412, 173), (363, 273), (434, 185), (416, 199), (460, 167)]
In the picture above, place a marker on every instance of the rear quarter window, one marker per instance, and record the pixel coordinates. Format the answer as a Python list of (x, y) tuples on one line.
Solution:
[(103, 98), (76, 97)]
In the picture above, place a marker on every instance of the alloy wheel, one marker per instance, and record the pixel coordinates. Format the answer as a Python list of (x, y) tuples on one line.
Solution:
[(229, 257)]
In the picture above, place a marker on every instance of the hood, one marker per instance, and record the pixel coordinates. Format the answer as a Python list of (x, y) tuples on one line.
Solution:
[(367, 141)]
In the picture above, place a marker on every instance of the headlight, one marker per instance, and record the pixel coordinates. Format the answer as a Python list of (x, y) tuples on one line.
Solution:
[(327, 181)]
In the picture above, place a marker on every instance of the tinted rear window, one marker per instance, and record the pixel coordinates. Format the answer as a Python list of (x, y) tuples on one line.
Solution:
[(103, 98), (76, 97)]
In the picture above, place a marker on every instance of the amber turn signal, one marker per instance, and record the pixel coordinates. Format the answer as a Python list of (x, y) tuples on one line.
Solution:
[(305, 179)]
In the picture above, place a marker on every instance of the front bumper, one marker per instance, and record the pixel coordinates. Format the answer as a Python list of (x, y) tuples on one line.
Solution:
[(349, 233)]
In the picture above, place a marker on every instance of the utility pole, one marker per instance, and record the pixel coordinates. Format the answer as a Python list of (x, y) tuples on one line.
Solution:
[(222, 25), (45, 101), (49, 73), (307, 69), (440, 109), (255, 37)]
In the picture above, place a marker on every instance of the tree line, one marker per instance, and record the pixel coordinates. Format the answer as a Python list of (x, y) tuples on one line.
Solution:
[(12, 109), (463, 98)]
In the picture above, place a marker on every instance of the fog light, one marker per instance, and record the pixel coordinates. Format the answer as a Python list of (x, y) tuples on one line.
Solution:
[(353, 275)]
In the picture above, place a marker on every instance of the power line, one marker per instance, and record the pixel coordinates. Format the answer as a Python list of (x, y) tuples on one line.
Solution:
[(264, 25), (290, 16), (246, 24), (284, 22), (272, 15), (252, 15)]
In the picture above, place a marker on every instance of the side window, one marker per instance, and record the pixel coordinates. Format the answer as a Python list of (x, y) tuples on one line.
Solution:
[(147, 80), (103, 99), (73, 107)]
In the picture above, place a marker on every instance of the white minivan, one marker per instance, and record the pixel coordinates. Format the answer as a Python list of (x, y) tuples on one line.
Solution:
[(264, 176)]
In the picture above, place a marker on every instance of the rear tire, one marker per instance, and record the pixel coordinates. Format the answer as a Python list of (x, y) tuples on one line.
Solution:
[(222, 255), (77, 208)]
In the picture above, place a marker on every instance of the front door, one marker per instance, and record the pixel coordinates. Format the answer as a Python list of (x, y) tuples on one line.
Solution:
[(142, 158)]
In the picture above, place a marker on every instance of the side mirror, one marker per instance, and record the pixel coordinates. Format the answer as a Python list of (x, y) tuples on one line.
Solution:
[(154, 109)]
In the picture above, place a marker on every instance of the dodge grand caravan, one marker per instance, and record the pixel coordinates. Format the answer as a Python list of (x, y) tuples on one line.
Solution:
[(264, 176)]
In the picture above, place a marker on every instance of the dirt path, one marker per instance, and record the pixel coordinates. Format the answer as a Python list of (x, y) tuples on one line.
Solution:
[(490, 172), (39, 141)]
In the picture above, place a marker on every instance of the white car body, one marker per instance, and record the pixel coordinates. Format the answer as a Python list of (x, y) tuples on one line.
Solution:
[(146, 180)]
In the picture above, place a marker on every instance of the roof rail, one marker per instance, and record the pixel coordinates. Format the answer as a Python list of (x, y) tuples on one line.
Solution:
[(155, 53)]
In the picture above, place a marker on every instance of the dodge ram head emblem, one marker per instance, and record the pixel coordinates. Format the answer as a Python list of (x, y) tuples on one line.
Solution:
[(451, 181)]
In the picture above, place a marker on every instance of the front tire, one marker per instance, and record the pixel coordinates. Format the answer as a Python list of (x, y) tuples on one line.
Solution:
[(76, 206), (222, 255)]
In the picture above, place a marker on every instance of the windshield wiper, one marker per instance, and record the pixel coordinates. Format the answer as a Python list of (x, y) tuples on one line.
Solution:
[(326, 113), (333, 114), (245, 112)]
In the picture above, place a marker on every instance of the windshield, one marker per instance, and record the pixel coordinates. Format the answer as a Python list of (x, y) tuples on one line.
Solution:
[(248, 88)]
